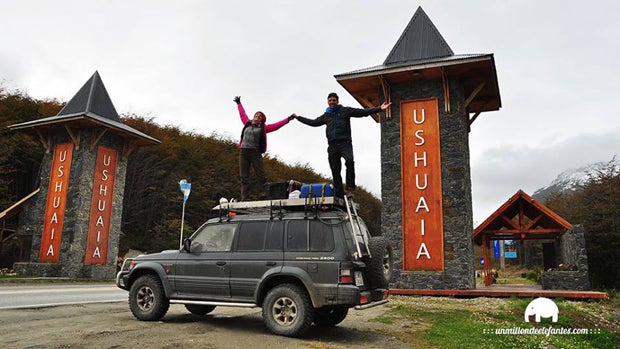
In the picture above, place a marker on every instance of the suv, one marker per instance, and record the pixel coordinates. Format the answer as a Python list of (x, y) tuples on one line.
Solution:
[(303, 261)]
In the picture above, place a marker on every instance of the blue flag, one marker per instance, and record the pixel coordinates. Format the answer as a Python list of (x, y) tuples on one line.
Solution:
[(185, 188)]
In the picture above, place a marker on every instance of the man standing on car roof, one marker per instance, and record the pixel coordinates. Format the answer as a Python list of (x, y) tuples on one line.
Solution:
[(337, 120)]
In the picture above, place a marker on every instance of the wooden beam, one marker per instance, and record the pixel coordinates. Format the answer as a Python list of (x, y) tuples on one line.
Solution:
[(368, 104), (534, 221), (501, 232), (446, 90), (473, 95), (94, 142), (75, 139), (128, 148), (45, 142), (510, 222), (473, 118), (386, 96), (521, 216)]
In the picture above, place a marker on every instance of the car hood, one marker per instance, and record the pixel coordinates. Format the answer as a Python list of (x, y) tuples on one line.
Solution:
[(167, 254)]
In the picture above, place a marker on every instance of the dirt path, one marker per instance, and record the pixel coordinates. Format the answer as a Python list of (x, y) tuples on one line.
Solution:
[(111, 325)]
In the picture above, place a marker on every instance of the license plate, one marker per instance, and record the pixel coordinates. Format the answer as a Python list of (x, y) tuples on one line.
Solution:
[(359, 279)]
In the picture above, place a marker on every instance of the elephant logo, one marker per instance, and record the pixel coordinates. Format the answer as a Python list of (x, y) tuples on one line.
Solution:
[(542, 307)]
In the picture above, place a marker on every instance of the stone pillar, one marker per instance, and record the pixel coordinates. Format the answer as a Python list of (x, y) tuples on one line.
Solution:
[(89, 212), (458, 265)]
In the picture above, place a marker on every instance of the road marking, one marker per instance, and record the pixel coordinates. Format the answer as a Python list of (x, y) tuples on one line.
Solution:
[(48, 305), (23, 291)]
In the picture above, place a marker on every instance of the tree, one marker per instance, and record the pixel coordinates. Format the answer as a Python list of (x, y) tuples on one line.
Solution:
[(152, 201), (597, 207)]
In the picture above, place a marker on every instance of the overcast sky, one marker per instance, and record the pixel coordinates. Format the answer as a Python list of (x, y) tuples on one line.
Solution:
[(182, 63)]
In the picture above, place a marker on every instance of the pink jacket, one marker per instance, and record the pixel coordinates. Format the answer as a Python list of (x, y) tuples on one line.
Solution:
[(267, 127)]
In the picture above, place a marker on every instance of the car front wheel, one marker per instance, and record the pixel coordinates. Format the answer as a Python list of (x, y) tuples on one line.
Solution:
[(147, 299)]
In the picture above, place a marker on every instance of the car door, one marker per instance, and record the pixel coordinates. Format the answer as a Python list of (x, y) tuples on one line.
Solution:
[(204, 271), (258, 250)]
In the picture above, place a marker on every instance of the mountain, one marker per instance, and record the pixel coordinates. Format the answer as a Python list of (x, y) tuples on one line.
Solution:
[(574, 179)]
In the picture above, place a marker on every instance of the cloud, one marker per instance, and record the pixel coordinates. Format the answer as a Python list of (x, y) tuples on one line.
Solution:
[(498, 172)]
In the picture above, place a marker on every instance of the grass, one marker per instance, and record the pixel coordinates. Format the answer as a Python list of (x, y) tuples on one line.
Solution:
[(459, 326)]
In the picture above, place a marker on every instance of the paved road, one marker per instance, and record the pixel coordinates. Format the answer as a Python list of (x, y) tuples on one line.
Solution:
[(43, 295)]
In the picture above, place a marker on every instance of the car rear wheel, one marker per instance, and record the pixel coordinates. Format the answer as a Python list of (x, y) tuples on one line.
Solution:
[(147, 300), (198, 309), (287, 310), (330, 316), (381, 266)]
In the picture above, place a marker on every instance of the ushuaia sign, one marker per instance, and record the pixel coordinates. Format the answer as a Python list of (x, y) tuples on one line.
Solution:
[(422, 194), (56, 203), (101, 207)]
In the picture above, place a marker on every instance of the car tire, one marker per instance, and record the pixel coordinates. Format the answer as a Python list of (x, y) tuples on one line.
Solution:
[(147, 299), (199, 309), (381, 266), (287, 310), (330, 316)]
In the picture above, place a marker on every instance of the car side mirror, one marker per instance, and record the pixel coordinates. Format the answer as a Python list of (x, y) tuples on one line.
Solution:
[(186, 245)]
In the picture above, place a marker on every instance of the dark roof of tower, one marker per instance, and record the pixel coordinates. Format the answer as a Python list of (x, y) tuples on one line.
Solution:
[(419, 41), (421, 53), (90, 107), (92, 98)]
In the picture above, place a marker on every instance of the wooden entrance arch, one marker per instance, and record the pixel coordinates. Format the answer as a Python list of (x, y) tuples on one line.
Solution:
[(520, 218)]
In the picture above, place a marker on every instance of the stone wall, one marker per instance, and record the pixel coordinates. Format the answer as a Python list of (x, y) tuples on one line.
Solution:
[(77, 214), (459, 272), (572, 271)]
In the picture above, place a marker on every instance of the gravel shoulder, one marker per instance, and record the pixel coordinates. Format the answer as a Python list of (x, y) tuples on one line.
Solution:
[(111, 325)]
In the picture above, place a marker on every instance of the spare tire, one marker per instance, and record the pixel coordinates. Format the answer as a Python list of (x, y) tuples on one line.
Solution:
[(381, 266)]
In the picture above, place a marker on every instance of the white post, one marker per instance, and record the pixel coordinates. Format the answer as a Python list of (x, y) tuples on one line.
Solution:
[(185, 189), (182, 220)]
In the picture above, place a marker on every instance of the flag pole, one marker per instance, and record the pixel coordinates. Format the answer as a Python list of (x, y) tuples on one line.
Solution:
[(185, 189)]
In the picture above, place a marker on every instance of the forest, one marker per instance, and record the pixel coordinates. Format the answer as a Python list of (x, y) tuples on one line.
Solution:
[(152, 205)]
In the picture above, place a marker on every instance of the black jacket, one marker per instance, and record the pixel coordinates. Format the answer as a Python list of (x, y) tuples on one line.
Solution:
[(338, 123)]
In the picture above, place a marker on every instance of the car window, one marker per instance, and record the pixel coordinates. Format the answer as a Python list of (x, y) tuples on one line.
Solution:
[(296, 236), (251, 236), (275, 236), (321, 237), (313, 236), (213, 238)]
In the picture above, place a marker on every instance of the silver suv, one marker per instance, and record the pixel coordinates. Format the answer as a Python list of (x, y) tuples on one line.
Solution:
[(303, 261)]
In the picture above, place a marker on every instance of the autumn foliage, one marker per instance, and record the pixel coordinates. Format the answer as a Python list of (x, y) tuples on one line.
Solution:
[(152, 204)]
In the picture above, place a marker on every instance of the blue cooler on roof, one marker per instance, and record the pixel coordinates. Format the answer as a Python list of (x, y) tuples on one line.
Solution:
[(317, 190)]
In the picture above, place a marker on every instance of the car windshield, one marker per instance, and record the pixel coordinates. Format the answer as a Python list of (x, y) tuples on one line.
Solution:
[(213, 238)]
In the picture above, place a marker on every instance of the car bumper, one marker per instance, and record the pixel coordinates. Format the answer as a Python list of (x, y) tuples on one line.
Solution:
[(351, 296)]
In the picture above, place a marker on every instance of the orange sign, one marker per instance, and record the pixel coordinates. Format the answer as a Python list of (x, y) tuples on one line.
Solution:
[(421, 186), (56, 203), (101, 207)]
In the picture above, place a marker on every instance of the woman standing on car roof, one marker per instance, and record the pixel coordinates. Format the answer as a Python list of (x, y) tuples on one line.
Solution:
[(253, 144)]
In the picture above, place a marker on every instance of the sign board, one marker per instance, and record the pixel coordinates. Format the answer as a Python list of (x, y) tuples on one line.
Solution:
[(101, 207), (421, 186), (56, 203)]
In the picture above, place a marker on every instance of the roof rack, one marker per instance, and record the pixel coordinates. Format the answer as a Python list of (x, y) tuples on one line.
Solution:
[(290, 204)]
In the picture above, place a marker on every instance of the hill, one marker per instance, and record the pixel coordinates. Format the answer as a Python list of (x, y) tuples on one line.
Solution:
[(152, 203), (575, 179)]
